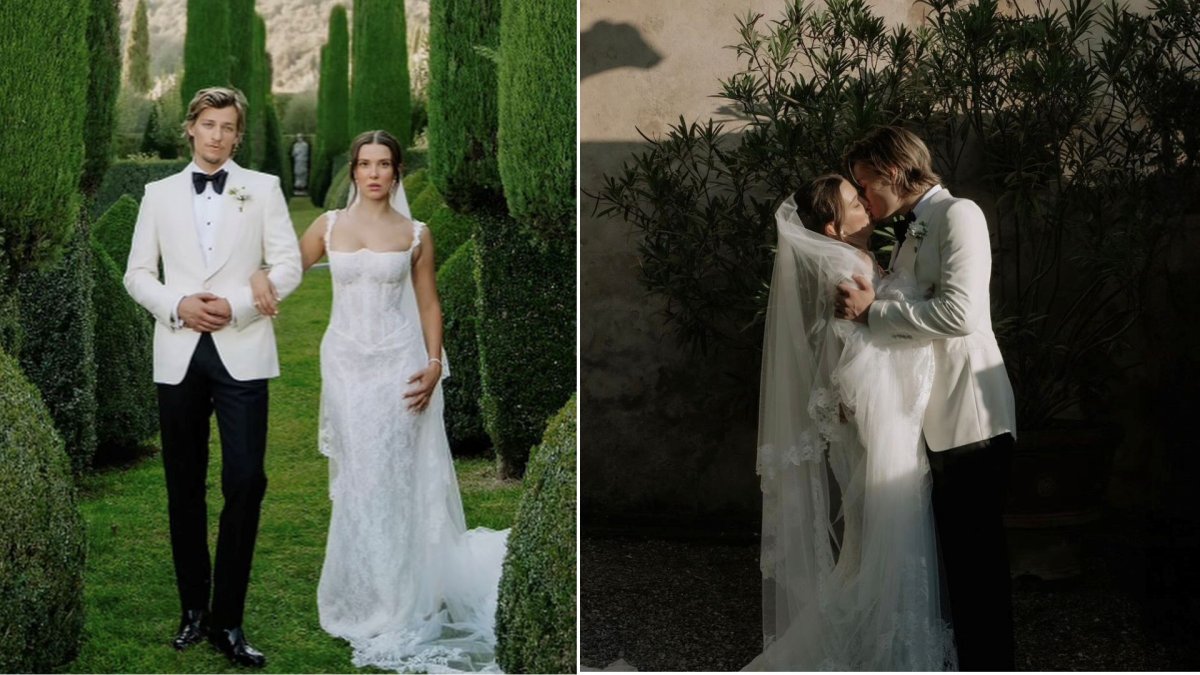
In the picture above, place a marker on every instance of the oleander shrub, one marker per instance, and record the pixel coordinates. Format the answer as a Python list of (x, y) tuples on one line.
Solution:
[(58, 354), (456, 286), (537, 115), (205, 47), (127, 410), (451, 231), (114, 230), (428, 201), (535, 616), (104, 82), (44, 77), (463, 101), (526, 334), (129, 177), (379, 88), (42, 544), (333, 101)]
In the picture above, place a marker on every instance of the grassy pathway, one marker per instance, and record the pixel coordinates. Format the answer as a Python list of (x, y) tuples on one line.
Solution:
[(131, 603)]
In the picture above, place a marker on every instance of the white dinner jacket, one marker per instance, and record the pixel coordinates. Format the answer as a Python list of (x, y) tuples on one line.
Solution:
[(253, 231), (972, 398)]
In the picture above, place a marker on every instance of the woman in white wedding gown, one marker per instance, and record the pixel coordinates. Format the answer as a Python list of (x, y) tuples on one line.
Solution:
[(403, 581), (849, 558)]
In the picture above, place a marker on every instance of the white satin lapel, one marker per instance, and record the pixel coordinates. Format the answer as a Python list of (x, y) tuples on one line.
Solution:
[(232, 214)]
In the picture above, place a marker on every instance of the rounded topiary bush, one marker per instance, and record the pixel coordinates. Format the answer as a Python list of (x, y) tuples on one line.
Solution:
[(42, 541), (451, 229), (415, 181), (129, 177), (456, 285), (428, 201), (114, 230), (127, 412), (58, 354), (535, 616), (526, 334)]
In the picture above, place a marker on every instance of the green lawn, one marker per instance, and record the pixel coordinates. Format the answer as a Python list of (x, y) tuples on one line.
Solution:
[(131, 603)]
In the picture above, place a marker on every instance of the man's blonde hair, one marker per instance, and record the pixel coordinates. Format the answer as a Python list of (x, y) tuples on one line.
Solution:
[(216, 97), (896, 153)]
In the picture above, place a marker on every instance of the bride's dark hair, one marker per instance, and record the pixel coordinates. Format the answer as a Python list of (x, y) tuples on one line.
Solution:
[(820, 202), (378, 137)]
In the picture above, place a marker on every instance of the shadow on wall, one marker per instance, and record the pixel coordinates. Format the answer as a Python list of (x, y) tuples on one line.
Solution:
[(606, 46)]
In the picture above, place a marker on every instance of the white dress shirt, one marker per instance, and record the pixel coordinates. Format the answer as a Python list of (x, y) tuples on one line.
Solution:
[(206, 212)]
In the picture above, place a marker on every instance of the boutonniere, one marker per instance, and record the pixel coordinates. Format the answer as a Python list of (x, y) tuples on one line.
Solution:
[(918, 230), (241, 195)]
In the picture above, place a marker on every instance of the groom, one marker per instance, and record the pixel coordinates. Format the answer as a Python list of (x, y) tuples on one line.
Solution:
[(970, 422), (212, 226)]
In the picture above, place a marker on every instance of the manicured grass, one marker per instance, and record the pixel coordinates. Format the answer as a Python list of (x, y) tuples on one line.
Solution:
[(131, 602)]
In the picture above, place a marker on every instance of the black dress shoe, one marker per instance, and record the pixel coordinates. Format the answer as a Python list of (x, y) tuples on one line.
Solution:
[(232, 643), (192, 627)]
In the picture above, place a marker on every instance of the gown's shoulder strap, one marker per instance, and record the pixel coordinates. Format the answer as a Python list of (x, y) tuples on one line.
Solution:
[(330, 217), (418, 228)]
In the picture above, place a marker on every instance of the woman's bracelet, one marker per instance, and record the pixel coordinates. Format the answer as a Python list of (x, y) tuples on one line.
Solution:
[(437, 361)]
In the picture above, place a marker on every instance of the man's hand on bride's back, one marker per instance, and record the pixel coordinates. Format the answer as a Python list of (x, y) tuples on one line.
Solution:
[(854, 299)]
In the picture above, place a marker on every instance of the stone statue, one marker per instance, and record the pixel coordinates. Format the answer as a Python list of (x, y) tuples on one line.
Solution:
[(300, 163)]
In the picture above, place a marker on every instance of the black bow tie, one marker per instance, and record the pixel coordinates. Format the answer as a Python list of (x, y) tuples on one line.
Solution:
[(199, 178), (900, 224)]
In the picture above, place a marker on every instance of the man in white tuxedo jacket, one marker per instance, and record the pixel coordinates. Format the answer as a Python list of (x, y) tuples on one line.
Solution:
[(212, 226), (970, 423)]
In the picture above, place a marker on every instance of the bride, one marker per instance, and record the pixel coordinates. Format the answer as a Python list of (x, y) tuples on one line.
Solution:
[(403, 581), (849, 561)]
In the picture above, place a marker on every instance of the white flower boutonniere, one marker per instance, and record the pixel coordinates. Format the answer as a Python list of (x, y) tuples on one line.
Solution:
[(918, 230), (241, 195)]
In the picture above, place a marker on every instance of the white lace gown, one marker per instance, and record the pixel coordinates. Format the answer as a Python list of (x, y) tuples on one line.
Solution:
[(403, 581)]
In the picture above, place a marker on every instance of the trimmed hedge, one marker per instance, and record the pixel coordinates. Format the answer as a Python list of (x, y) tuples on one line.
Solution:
[(452, 231), (127, 413), (415, 181), (379, 89), (104, 41), (277, 161), (428, 201), (129, 177), (463, 102), (456, 286), (333, 105), (205, 48), (526, 334), (241, 62), (339, 189), (114, 230), (42, 543), (58, 354), (137, 55), (535, 615), (537, 114), (44, 75), (257, 94)]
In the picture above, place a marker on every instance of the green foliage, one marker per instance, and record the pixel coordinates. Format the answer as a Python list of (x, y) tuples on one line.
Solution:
[(42, 542), (241, 62), (456, 287), (415, 181), (379, 88), (205, 47), (43, 74), (526, 334), (278, 161), (11, 333), (58, 354), (463, 101), (535, 616), (428, 201), (254, 144), (104, 42), (537, 115), (114, 230), (129, 177), (127, 412), (339, 188), (333, 101), (451, 230), (137, 55)]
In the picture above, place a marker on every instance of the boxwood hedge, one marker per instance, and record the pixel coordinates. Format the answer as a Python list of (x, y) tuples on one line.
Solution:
[(456, 286)]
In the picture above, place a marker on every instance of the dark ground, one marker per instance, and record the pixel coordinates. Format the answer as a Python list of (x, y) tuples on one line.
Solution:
[(693, 604)]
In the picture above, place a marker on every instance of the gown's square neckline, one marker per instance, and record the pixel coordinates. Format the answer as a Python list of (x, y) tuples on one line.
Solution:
[(417, 227)]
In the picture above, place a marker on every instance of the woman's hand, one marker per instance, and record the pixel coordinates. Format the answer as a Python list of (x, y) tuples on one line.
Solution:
[(423, 382), (266, 298)]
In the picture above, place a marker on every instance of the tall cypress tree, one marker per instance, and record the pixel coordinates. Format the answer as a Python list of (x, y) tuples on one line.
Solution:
[(463, 101), (137, 56), (104, 43), (256, 97), (205, 47), (333, 105), (379, 86), (241, 60)]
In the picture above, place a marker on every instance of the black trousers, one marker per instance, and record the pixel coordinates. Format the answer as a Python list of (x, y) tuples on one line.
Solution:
[(184, 411), (970, 485)]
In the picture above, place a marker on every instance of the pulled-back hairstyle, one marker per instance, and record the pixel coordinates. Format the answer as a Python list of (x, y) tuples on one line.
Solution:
[(215, 97), (893, 149), (820, 202), (378, 137)]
